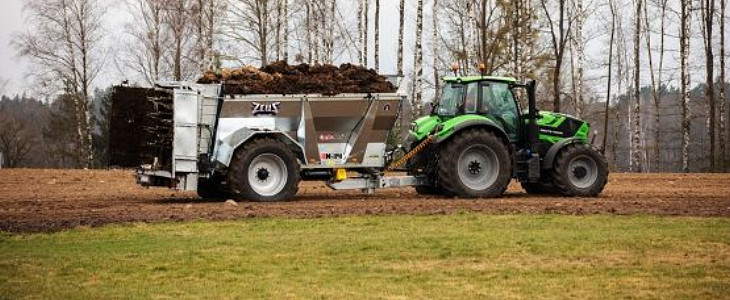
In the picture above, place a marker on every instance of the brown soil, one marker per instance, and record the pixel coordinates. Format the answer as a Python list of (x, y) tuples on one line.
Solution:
[(52, 200)]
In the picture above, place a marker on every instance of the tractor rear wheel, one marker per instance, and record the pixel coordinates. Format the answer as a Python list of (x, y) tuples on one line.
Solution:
[(580, 170), (474, 164), (264, 170)]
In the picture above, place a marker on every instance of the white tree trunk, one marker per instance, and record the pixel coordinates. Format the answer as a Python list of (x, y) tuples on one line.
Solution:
[(361, 32), (723, 133), (684, 44), (636, 158), (366, 30), (285, 38), (580, 53), (377, 36), (418, 62), (401, 25), (435, 43)]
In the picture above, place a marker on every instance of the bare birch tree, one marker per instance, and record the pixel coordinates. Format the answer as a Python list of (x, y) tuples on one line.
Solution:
[(435, 48), (418, 62), (684, 44), (656, 77), (64, 46), (637, 145), (377, 36), (401, 27), (145, 54), (285, 38), (707, 8), (723, 129), (559, 34), (361, 31), (249, 23), (608, 85), (578, 46)]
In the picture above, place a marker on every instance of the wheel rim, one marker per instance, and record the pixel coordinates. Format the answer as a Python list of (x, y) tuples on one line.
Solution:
[(478, 167), (582, 172), (267, 174)]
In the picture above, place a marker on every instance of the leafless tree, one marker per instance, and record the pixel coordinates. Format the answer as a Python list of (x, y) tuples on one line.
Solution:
[(636, 136), (723, 130), (578, 49), (418, 62), (249, 23), (707, 8), (612, 6), (559, 29), (401, 27), (145, 54), (64, 46), (435, 47), (656, 77), (285, 38), (16, 141), (684, 44), (360, 32), (377, 35), (178, 19), (208, 15)]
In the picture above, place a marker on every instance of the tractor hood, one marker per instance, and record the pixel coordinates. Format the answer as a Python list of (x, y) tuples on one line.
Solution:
[(557, 126)]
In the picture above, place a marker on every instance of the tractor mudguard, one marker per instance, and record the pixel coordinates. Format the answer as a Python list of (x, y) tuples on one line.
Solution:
[(460, 123), (227, 146), (549, 159)]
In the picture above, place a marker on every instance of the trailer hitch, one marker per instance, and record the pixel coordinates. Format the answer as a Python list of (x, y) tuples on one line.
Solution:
[(411, 153)]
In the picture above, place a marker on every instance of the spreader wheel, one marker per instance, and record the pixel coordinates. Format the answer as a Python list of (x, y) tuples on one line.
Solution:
[(264, 170)]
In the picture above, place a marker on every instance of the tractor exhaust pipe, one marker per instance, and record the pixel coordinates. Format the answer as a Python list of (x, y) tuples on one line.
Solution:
[(532, 129)]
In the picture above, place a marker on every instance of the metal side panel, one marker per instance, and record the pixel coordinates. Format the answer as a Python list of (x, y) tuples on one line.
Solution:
[(185, 142)]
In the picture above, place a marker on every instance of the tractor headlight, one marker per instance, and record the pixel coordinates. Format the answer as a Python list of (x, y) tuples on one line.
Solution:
[(414, 127)]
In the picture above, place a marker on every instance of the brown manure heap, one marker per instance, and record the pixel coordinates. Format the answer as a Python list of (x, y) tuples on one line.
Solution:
[(281, 78)]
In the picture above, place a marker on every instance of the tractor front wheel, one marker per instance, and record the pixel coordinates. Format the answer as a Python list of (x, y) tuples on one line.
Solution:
[(475, 164), (580, 170)]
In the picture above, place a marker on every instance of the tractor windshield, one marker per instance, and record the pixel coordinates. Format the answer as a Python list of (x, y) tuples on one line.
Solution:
[(451, 99)]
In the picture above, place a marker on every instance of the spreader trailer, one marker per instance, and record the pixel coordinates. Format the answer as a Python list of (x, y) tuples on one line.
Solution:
[(471, 144)]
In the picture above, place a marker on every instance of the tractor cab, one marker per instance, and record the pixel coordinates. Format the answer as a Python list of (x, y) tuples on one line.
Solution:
[(491, 97)]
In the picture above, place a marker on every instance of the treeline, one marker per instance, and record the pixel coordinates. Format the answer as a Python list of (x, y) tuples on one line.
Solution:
[(43, 133), (662, 141)]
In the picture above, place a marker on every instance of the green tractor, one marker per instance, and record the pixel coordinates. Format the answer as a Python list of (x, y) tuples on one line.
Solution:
[(475, 140)]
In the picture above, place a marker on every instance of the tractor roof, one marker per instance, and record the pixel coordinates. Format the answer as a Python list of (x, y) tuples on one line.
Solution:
[(468, 79)]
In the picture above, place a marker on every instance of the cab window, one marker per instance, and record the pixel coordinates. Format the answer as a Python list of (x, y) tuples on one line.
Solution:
[(498, 102), (472, 94)]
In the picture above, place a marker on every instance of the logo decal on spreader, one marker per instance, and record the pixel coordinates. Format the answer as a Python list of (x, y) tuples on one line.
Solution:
[(270, 109)]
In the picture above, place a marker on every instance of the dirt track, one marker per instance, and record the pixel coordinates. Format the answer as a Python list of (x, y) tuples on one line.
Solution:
[(52, 200)]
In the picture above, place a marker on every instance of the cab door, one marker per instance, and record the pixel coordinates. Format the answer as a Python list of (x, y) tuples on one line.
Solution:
[(497, 102)]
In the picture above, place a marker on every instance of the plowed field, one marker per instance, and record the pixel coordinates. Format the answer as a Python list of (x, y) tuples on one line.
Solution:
[(52, 200)]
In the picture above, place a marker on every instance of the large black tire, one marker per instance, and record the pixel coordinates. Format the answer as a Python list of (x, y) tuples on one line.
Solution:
[(264, 170), (210, 189), (580, 171), (475, 164)]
